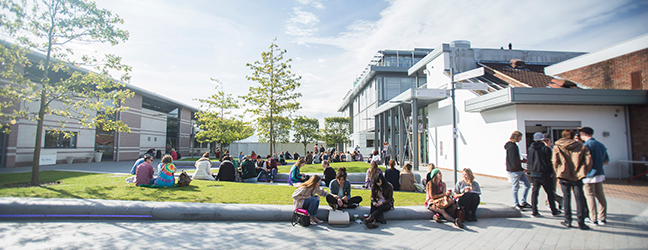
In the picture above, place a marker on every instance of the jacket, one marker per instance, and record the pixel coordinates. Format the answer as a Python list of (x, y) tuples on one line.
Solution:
[(599, 156), (539, 160), (407, 181), (513, 163), (226, 171), (248, 169), (393, 177), (301, 194), (346, 188), (571, 160), (388, 194), (329, 175), (203, 170)]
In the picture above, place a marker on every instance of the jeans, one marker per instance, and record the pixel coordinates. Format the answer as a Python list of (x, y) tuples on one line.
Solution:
[(269, 175), (581, 205), (516, 178), (250, 180), (469, 201), (311, 204), (547, 185)]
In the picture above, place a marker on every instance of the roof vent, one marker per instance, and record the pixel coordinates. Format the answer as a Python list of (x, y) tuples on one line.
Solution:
[(517, 63), (460, 44)]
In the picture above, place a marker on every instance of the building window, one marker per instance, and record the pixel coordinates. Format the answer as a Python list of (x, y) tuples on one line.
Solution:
[(62, 139), (370, 143)]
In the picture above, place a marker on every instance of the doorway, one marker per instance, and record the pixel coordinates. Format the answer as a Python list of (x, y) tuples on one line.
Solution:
[(553, 128)]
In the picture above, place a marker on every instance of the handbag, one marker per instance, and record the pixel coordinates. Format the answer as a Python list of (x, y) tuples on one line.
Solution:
[(338, 217), (300, 216), (460, 213), (443, 202)]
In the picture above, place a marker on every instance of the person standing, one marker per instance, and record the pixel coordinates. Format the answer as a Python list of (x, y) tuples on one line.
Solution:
[(516, 172), (541, 169), (572, 161), (593, 181)]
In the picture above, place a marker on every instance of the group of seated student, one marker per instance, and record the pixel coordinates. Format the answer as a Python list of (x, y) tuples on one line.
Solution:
[(144, 172), (268, 169), (466, 195)]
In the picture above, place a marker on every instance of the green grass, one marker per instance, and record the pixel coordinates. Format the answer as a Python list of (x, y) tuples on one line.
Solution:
[(113, 187)]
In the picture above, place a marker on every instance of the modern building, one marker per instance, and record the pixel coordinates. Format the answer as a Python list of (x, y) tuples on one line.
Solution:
[(384, 78), (155, 121), (496, 92)]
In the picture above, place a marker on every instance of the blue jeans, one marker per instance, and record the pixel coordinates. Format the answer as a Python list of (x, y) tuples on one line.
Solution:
[(250, 180), (269, 175), (516, 178), (311, 204)]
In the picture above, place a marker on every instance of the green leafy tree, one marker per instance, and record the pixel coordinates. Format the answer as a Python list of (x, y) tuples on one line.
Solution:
[(306, 130), (274, 98), (90, 99), (215, 126), (336, 130), (281, 130)]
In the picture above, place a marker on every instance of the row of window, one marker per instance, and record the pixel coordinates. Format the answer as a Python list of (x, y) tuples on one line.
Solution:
[(65, 139)]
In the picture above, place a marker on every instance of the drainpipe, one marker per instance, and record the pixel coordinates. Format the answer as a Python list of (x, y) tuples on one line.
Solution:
[(118, 116), (626, 110)]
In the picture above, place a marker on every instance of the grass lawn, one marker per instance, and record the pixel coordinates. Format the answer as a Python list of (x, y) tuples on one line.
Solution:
[(113, 187)]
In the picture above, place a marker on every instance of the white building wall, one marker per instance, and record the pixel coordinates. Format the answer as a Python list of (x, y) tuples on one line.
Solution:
[(153, 130)]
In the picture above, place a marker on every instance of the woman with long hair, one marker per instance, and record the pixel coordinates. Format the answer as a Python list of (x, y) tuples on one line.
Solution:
[(516, 172), (307, 196), (372, 172), (166, 171), (203, 169), (468, 191), (392, 175), (295, 171), (342, 188), (436, 192), (407, 179), (382, 200)]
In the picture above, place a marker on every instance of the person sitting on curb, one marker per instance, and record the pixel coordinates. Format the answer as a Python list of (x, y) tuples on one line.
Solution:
[(329, 173), (203, 169), (382, 200), (407, 179), (248, 172), (295, 174), (435, 191), (144, 172), (467, 192), (372, 172), (166, 178), (306, 197), (342, 187), (226, 170)]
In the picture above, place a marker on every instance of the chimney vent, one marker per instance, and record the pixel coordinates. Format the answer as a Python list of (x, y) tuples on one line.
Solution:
[(517, 64)]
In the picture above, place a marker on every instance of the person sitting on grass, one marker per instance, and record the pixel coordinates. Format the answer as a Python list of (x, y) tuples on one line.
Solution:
[(407, 179), (342, 187), (296, 155), (295, 173), (137, 163), (269, 170), (329, 173), (203, 169), (382, 200), (226, 170), (316, 158), (306, 197), (435, 191), (372, 172), (144, 172), (282, 160), (392, 175), (467, 191), (325, 156), (167, 169), (248, 170)]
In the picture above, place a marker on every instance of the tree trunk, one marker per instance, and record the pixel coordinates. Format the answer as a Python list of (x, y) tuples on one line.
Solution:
[(37, 143)]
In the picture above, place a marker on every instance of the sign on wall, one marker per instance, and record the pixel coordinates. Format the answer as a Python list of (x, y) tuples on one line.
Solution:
[(47, 159)]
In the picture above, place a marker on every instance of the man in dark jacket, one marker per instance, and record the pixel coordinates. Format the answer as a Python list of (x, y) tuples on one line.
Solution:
[(226, 170), (248, 172), (541, 169), (516, 172)]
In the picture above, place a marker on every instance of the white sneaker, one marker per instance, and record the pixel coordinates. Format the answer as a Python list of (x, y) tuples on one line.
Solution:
[(590, 222), (602, 223)]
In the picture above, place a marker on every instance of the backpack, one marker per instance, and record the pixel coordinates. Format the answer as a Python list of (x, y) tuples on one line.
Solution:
[(300, 216), (184, 179)]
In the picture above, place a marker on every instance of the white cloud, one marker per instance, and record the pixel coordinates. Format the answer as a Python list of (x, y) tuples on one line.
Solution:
[(314, 3), (302, 23)]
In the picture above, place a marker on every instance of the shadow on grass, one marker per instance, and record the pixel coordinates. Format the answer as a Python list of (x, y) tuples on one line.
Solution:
[(10, 180), (63, 193)]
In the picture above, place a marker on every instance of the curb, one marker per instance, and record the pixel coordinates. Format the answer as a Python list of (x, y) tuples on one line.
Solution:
[(15, 208)]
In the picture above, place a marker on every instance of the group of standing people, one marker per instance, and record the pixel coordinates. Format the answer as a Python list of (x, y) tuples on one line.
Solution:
[(575, 161)]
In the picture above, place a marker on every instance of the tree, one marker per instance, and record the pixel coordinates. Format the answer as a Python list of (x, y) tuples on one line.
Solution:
[(90, 99), (306, 130), (215, 128), (275, 95), (336, 130), (280, 131)]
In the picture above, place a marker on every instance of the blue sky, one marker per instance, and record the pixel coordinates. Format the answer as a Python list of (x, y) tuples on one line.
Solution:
[(176, 46)]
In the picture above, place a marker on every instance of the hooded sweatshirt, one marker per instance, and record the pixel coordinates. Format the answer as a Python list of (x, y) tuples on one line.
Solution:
[(571, 160), (513, 163), (539, 160)]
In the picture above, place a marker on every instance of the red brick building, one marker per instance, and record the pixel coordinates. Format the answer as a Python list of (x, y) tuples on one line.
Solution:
[(622, 66)]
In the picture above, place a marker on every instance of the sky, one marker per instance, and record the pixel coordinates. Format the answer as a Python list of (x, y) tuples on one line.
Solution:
[(175, 47)]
